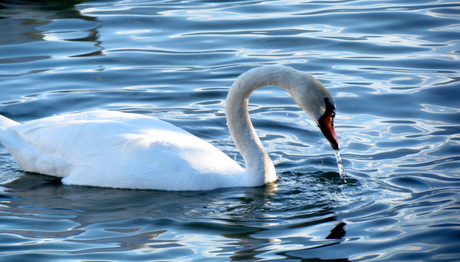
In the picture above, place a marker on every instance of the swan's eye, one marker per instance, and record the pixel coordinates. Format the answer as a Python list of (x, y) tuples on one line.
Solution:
[(330, 109)]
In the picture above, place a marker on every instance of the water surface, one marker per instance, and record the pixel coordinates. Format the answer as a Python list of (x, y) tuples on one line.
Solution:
[(392, 66)]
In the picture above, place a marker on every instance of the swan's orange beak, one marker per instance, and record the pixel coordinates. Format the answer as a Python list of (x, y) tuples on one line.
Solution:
[(326, 124)]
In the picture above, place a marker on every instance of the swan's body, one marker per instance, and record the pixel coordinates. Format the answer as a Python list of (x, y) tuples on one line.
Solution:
[(121, 150)]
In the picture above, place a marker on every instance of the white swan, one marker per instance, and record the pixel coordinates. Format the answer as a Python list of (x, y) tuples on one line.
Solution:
[(121, 150)]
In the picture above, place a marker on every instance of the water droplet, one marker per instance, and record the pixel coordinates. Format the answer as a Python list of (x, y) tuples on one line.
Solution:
[(339, 163)]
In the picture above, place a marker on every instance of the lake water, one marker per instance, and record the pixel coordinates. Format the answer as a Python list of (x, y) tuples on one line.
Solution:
[(392, 66)]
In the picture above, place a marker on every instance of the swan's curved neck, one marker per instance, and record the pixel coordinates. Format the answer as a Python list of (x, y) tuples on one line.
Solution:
[(259, 167)]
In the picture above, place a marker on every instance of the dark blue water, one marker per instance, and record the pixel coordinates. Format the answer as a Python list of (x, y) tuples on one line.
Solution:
[(392, 66)]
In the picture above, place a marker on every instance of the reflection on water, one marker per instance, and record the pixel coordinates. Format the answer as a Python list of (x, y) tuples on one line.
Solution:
[(392, 68), (95, 220)]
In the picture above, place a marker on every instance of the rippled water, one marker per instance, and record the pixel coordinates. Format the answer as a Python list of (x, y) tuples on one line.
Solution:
[(392, 66)]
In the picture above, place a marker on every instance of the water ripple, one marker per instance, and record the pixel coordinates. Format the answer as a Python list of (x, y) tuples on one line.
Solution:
[(391, 66)]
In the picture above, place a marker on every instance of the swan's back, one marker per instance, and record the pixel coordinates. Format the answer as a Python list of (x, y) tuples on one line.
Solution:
[(120, 150)]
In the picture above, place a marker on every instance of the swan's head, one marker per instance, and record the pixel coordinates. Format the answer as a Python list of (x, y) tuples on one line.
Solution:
[(308, 92), (318, 103)]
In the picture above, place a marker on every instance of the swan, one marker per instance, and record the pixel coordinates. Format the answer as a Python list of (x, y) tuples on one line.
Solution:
[(124, 150)]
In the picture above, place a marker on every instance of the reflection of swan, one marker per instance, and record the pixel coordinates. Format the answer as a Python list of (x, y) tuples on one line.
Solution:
[(120, 150)]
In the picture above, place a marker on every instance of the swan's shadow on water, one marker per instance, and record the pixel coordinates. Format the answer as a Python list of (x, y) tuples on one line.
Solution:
[(246, 221)]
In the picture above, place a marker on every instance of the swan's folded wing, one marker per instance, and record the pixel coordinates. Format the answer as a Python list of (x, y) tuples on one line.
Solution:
[(129, 151)]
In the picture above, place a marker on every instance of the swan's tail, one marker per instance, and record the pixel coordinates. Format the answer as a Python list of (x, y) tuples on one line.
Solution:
[(6, 122), (28, 155)]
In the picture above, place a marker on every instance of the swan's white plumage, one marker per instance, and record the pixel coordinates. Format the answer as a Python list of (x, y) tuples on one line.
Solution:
[(121, 150)]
